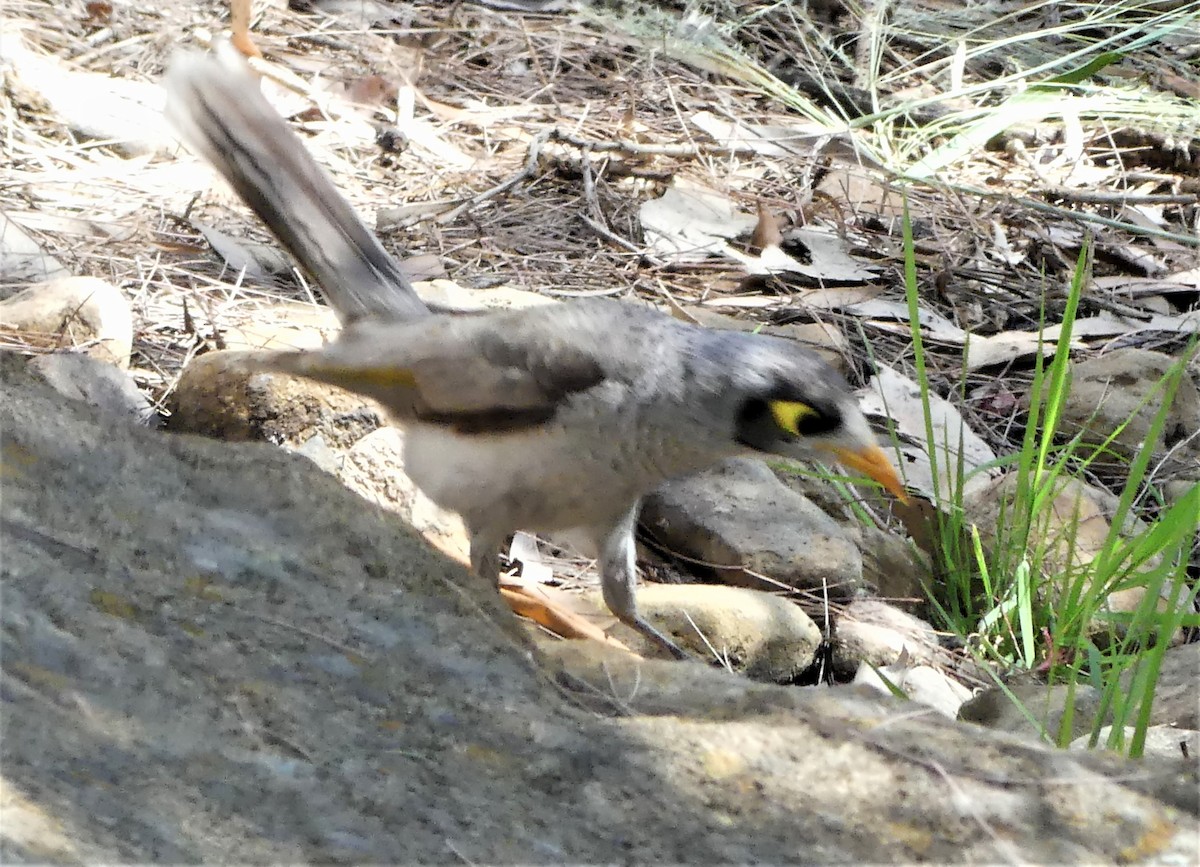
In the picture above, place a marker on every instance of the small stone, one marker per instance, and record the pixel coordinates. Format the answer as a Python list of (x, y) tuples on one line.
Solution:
[(1176, 489), (221, 395), (1164, 742), (740, 521), (894, 567), (765, 637), (1116, 388), (82, 312), (1045, 704), (923, 684), (1177, 691), (875, 633)]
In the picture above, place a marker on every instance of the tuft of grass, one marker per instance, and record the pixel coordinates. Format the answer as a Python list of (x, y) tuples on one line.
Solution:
[(1027, 594)]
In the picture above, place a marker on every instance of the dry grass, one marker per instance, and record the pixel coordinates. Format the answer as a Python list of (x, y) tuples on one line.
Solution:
[(611, 112)]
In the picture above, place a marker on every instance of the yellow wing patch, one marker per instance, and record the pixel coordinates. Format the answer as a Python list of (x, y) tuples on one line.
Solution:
[(349, 377), (788, 413)]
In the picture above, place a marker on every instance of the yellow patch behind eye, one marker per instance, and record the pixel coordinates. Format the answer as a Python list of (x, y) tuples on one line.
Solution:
[(788, 413)]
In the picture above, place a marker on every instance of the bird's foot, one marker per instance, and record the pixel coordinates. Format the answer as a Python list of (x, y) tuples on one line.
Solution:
[(658, 638)]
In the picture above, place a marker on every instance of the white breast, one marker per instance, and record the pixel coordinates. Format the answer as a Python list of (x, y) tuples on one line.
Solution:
[(532, 480)]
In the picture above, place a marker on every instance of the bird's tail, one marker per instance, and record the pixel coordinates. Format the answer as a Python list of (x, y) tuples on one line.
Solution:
[(215, 104)]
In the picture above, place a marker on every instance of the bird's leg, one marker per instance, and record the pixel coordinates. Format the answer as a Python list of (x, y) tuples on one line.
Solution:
[(618, 579), (485, 555)]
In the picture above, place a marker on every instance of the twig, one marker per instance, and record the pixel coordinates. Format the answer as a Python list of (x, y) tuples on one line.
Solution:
[(1120, 197), (638, 148), (589, 187), (525, 172)]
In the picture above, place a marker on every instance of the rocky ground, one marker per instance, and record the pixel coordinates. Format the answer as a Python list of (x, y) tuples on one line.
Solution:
[(215, 652)]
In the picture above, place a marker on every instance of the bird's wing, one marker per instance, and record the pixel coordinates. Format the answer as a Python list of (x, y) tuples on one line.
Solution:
[(478, 373)]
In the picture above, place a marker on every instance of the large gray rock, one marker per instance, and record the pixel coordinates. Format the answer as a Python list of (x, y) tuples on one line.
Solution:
[(1117, 392), (214, 652)]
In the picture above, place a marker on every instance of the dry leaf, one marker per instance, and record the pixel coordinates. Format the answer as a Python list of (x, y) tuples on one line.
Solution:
[(691, 223), (767, 141), (128, 113), (1110, 325), (256, 260), (892, 394), (828, 255), (22, 259)]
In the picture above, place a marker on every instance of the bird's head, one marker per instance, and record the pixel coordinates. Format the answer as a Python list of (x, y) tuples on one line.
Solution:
[(795, 405)]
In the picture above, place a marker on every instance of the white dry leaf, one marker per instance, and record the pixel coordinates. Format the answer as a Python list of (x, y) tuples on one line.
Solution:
[(109, 226), (536, 568), (111, 192), (425, 135), (22, 259), (923, 684), (767, 141), (1145, 216), (689, 223), (934, 326), (1002, 249), (837, 297), (127, 113), (1084, 176), (256, 260), (1007, 346), (757, 301), (1069, 237), (979, 350), (1138, 287), (829, 259), (423, 267), (1108, 325), (890, 393), (771, 260), (344, 123), (1072, 135), (357, 14)]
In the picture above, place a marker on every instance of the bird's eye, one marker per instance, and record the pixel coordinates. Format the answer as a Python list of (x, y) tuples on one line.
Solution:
[(790, 414), (800, 419)]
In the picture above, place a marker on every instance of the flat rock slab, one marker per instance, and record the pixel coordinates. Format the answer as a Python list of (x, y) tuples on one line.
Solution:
[(213, 652)]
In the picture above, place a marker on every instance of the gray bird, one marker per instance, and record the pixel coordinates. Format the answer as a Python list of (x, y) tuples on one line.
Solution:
[(559, 417)]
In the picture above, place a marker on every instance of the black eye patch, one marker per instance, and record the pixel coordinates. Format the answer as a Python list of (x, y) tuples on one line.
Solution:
[(798, 418), (763, 423)]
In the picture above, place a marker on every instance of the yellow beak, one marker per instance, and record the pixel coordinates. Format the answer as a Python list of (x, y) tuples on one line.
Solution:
[(873, 463)]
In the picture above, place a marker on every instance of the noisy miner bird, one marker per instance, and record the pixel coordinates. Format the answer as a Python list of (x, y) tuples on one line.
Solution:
[(559, 417)]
